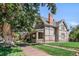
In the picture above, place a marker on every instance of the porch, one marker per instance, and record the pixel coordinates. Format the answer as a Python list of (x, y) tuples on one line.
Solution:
[(37, 36)]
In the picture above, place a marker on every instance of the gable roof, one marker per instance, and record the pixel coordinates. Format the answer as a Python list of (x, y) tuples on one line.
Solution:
[(54, 24), (45, 21), (64, 23)]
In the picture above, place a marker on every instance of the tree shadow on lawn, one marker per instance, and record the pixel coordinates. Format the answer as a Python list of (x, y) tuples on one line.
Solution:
[(4, 51)]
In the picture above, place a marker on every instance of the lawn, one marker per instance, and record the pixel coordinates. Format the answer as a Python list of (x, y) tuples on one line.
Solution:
[(13, 51), (55, 51), (66, 44)]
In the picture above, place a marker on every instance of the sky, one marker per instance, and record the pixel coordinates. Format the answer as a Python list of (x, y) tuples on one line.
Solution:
[(67, 11)]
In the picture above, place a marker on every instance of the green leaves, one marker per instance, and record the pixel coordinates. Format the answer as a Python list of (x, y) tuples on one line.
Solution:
[(23, 16), (51, 7), (75, 33)]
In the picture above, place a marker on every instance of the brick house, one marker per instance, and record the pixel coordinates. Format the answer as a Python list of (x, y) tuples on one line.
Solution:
[(50, 31)]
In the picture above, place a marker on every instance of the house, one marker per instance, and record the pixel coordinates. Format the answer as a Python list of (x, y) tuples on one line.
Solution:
[(50, 31)]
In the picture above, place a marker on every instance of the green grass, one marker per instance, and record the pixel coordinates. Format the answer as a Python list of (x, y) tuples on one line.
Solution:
[(55, 51), (13, 51), (66, 44)]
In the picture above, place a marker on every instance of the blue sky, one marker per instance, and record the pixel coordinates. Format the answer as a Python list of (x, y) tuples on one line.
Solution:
[(68, 12)]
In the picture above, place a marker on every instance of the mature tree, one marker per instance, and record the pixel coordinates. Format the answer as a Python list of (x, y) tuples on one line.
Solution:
[(20, 17), (30, 14), (8, 12)]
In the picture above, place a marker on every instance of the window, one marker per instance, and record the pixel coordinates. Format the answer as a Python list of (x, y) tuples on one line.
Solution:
[(40, 35), (34, 36), (62, 35), (62, 27)]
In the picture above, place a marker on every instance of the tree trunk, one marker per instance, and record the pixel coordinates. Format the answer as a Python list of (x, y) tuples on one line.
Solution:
[(7, 34)]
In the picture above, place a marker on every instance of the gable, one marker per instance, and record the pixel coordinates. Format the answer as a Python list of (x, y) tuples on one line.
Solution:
[(43, 22), (63, 26)]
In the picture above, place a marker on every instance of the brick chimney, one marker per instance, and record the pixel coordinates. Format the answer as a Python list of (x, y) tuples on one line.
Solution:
[(50, 19)]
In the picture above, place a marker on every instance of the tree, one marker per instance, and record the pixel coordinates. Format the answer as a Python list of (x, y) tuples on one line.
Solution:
[(30, 14), (8, 12), (20, 17), (74, 34)]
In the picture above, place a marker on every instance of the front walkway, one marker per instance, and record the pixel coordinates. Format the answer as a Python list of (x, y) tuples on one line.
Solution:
[(30, 51)]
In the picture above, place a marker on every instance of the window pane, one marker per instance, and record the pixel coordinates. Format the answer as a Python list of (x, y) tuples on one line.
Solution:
[(40, 35), (62, 35)]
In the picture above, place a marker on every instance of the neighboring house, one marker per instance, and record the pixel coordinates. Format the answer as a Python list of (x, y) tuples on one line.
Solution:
[(50, 31)]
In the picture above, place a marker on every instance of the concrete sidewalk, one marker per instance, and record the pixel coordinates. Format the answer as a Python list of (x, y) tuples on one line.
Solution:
[(30, 51)]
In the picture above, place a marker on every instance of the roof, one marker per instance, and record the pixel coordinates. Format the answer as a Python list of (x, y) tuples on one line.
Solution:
[(54, 24), (64, 23), (45, 21)]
